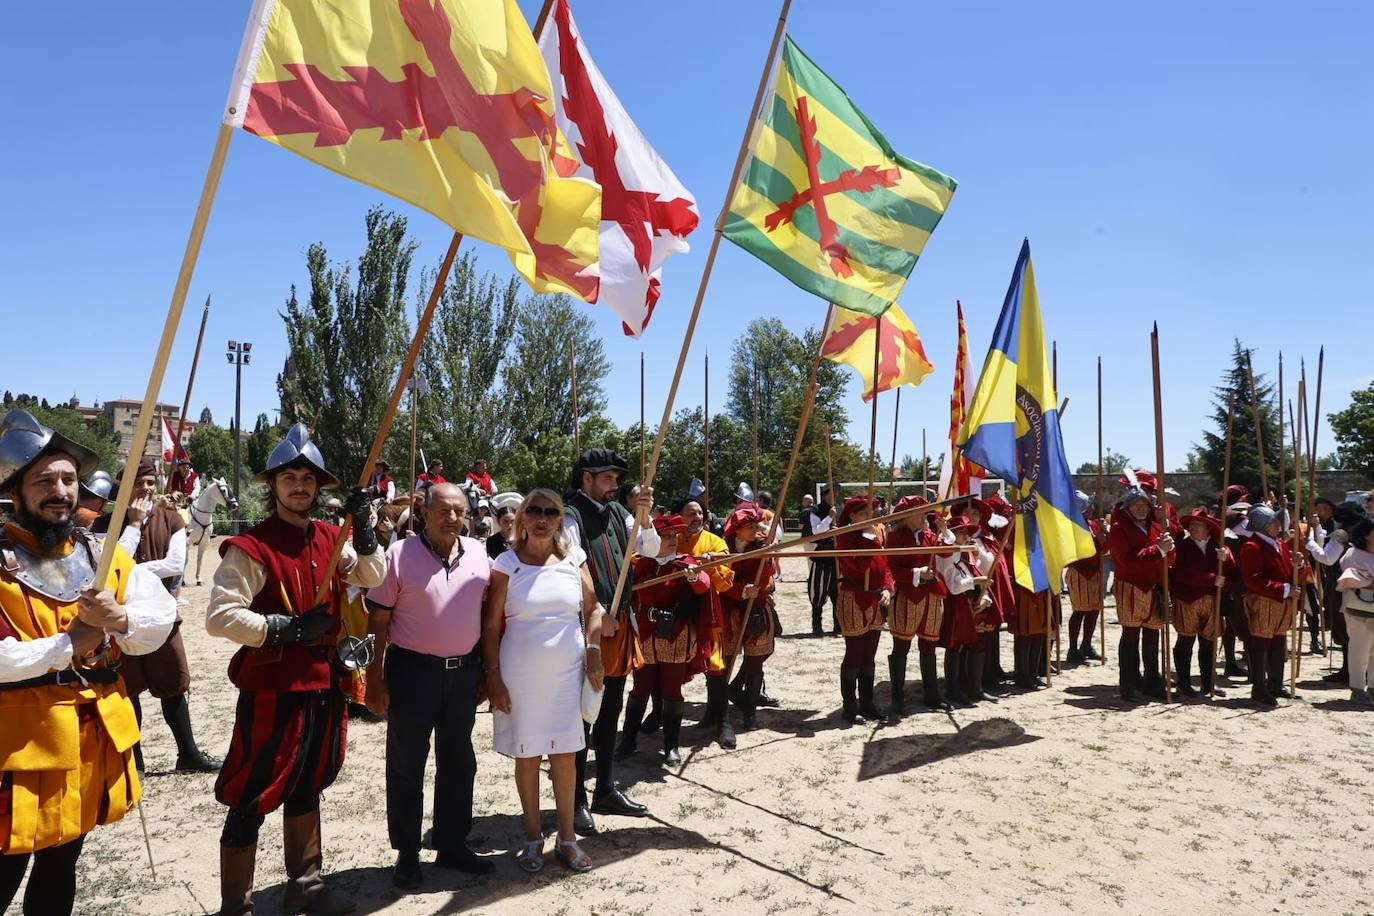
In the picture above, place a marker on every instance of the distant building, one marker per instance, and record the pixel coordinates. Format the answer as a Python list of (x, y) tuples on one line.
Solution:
[(122, 414)]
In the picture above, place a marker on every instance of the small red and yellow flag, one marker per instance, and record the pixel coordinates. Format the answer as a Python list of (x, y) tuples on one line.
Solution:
[(445, 104), (901, 357)]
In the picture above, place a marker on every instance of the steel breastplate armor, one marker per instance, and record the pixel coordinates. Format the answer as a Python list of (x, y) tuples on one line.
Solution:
[(58, 578)]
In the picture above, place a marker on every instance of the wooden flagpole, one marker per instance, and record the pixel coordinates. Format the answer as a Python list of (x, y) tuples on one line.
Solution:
[(803, 423), (716, 236), (1221, 545), (577, 424), (164, 347), (1101, 515), (1259, 426), (191, 381), (873, 413), (892, 482), (642, 454), (706, 435), (393, 404), (829, 467), (1167, 610)]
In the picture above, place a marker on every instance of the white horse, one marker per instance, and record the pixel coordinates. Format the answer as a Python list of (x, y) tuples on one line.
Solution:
[(203, 517)]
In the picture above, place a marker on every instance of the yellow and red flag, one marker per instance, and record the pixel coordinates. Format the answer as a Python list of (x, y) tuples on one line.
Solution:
[(445, 104), (851, 337)]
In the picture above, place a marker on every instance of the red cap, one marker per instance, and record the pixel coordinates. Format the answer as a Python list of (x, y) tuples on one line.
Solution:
[(851, 505), (744, 514), (912, 501), (670, 524), (1202, 515), (1147, 480), (998, 505)]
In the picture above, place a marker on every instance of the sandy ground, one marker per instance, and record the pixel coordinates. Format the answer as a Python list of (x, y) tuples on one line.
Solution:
[(1058, 801)]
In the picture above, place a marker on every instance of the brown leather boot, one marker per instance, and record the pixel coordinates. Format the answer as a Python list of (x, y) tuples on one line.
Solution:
[(236, 880), (305, 889)]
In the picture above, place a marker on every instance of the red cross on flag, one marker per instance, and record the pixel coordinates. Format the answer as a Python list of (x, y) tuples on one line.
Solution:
[(646, 213)]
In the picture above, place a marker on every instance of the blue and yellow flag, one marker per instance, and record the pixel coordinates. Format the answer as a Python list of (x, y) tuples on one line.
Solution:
[(1012, 429)]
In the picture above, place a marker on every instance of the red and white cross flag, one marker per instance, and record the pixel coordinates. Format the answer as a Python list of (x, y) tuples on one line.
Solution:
[(646, 213)]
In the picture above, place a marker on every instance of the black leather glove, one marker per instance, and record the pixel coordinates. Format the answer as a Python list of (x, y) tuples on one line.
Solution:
[(309, 627), (359, 506)]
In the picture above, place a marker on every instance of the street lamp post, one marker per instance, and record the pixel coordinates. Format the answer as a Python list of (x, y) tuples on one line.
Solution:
[(238, 355)]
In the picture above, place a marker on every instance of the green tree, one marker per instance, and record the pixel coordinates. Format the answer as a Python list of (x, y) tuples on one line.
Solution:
[(1112, 463), (474, 323), (259, 444), (537, 385), (212, 453), (1354, 431), (346, 344), (1245, 465)]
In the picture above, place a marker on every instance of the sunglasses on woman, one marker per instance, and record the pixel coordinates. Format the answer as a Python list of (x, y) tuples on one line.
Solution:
[(546, 511)]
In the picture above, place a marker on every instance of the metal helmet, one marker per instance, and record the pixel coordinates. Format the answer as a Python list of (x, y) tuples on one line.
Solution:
[(23, 440), (295, 450), (1260, 518), (99, 485), (1133, 495), (1085, 502), (744, 492), (695, 488)]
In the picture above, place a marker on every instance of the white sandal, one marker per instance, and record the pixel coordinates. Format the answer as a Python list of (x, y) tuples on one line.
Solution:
[(531, 858), (576, 860)]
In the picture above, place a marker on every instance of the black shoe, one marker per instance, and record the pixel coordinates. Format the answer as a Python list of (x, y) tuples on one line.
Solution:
[(1089, 654), (615, 801), (406, 875), (652, 721), (765, 700), (725, 734), (583, 822), (199, 762), (464, 860), (672, 757), (1075, 657), (1339, 676), (1235, 670)]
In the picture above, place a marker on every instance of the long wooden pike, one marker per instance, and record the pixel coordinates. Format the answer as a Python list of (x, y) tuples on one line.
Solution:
[(1259, 425), (1221, 545), (925, 468), (803, 423), (1101, 514), (873, 415), (799, 543), (1295, 665), (706, 435), (1315, 426), (402, 378), (1163, 514), (896, 418), (191, 381), (641, 518), (755, 383), (1283, 449)]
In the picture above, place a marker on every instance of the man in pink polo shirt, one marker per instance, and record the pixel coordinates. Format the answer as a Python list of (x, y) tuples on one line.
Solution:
[(429, 609)]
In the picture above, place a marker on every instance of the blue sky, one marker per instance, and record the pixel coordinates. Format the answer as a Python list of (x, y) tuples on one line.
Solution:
[(1203, 165)]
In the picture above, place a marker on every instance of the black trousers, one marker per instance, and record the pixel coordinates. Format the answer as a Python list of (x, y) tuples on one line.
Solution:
[(428, 698), (601, 737), (52, 886)]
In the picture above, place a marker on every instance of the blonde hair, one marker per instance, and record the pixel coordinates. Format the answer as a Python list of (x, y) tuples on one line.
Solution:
[(561, 544)]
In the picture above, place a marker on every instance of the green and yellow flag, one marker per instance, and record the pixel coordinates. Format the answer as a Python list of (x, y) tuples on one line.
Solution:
[(826, 201)]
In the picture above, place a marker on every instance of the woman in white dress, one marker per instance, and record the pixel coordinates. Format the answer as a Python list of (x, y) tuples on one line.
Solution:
[(536, 651)]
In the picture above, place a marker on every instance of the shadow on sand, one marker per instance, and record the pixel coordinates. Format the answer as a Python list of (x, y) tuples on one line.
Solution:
[(885, 756)]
